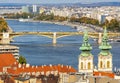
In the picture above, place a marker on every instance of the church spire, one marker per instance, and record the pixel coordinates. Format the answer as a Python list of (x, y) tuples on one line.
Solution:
[(85, 46), (105, 45)]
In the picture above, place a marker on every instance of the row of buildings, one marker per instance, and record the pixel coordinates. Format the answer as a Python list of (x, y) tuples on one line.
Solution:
[(99, 13)]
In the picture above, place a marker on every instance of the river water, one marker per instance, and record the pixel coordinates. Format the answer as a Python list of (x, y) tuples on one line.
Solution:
[(39, 50)]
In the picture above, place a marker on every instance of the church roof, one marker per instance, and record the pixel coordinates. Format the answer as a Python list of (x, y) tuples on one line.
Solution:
[(86, 47), (105, 45)]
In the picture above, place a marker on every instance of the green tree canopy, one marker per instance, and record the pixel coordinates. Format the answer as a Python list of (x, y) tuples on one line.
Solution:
[(22, 60)]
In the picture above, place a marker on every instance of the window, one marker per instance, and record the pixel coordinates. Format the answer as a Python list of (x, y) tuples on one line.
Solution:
[(101, 64), (89, 65), (81, 65), (108, 64)]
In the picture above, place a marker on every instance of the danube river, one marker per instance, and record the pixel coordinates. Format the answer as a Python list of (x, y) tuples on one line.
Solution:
[(39, 50)]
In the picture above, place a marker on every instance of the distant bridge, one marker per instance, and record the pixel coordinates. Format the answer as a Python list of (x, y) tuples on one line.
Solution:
[(7, 37)]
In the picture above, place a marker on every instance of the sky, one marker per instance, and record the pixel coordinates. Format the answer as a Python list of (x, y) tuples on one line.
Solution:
[(55, 1)]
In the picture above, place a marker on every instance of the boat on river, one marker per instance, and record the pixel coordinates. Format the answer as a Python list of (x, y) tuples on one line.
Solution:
[(23, 20)]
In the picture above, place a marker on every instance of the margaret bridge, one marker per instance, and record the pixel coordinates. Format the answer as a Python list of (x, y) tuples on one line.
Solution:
[(7, 37)]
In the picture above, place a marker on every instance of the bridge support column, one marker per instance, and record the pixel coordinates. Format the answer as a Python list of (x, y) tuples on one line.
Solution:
[(100, 38), (5, 39), (54, 38)]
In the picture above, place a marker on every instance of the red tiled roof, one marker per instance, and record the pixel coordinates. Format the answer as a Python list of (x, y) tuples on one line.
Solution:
[(59, 68), (108, 74), (7, 59)]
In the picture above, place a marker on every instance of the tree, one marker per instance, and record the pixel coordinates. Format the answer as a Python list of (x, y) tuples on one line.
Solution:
[(114, 25), (22, 60), (3, 25)]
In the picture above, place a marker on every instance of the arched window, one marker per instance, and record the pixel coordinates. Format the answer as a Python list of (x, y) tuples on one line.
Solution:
[(81, 65), (108, 64), (89, 65), (101, 64)]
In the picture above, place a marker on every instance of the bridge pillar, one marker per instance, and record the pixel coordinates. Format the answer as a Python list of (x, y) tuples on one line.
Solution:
[(5, 38), (100, 38), (54, 38)]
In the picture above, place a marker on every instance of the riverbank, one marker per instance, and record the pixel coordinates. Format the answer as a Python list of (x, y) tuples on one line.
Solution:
[(75, 25), (78, 26)]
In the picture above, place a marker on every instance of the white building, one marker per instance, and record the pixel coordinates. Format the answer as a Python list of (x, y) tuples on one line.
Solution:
[(34, 8), (10, 49)]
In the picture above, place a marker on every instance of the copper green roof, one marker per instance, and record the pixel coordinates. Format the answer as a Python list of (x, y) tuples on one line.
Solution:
[(86, 53), (86, 47), (105, 45), (105, 53)]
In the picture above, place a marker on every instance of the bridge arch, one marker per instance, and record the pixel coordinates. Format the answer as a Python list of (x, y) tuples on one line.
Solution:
[(31, 38), (11, 37)]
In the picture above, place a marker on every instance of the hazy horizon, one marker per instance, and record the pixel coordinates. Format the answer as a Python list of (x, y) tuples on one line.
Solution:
[(55, 1)]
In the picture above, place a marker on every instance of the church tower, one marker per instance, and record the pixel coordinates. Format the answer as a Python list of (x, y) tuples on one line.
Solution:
[(85, 58), (105, 56)]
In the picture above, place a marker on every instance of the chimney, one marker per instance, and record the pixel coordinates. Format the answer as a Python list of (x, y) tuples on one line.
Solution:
[(50, 65), (36, 66), (69, 67), (32, 66), (42, 66), (19, 65), (27, 65), (62, 65)]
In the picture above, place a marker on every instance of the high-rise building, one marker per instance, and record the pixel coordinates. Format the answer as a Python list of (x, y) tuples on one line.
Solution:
[(85, 58), (101, 18), (34, 8), (105, 56)]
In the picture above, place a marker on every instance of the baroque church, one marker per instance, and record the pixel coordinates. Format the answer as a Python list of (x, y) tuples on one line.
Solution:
[(86, 64)]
